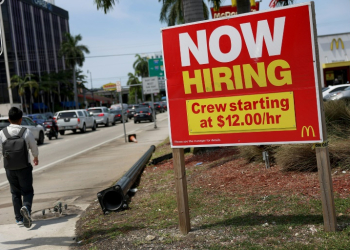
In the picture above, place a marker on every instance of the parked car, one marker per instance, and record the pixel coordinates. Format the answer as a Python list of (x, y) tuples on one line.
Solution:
[(75, 119), (38, 118), (37, 130), (339, 95), (102, 115), (143, 114), (332, 89), (131, 110), (118, 115)]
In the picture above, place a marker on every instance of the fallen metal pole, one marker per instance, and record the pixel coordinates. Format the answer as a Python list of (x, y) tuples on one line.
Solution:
[(115, 198)]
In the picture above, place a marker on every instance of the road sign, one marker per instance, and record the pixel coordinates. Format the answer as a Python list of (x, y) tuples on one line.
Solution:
[(150, 85), (118, 86), (249, 79), (155, 67)]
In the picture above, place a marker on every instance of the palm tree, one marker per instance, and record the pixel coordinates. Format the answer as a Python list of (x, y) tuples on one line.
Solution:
[(74, 55), (48, 85), (136, 90), (141, 66), (106, 5), (22, 83)]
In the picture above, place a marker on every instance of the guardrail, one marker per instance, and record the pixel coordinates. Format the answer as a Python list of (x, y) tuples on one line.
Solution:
[(116, 197)]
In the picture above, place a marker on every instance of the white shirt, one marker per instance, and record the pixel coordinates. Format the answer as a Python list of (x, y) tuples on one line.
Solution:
[(14, 129)]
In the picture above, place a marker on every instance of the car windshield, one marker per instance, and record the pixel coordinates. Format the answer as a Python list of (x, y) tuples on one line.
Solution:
[(143, 110), (114, 111), (348, 88), (95, 111), (67, 115), (4, 123), (324, 89)]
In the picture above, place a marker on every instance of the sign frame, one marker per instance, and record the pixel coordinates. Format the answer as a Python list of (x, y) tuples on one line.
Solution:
[(150, 85), (315, 85)]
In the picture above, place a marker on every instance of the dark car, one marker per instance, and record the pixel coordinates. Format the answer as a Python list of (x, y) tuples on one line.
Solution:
[(4, 123), (131, 110), (165, 106), (38, 118), (158, 107), (118, 115), (143, 114)]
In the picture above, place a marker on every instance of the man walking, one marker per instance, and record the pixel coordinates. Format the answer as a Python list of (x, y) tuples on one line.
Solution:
[(15, 141)]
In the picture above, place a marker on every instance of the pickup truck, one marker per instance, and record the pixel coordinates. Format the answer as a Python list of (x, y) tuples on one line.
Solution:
[(75, 119)]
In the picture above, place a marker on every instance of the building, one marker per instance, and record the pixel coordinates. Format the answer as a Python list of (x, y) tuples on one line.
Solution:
[(334, 52), (32, 31)]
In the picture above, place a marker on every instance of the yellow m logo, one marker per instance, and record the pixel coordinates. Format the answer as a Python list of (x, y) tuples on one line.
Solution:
[(337, 43), (307, 130)]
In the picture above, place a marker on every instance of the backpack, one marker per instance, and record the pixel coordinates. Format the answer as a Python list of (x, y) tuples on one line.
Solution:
[(15, 151)]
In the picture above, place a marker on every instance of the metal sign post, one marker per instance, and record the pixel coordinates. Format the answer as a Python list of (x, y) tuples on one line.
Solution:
[(150, 86), (119, 90)]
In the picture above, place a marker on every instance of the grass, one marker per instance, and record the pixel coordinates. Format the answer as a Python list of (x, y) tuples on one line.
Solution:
[(220, 219)]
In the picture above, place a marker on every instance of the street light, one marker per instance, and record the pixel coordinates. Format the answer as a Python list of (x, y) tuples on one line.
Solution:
[(93, 99)]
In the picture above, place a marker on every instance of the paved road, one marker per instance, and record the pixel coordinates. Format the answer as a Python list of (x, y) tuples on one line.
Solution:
[(72, 170)]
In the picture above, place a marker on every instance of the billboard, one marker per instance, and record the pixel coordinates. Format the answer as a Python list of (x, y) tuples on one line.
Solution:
[(110, 87), (226, 11), (155, 67), (245, 80)]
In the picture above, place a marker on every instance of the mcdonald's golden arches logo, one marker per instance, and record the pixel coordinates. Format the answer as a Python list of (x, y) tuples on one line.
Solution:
[(307, 130), (337, 43)]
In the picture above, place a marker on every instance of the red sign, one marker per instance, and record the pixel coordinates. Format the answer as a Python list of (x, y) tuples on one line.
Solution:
[(249, 79), (226, 11)]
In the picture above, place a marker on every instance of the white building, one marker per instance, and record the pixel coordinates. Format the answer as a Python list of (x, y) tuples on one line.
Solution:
[(334, 52)]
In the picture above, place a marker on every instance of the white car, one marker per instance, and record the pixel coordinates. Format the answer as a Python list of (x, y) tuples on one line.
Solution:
[(75, 119), (37, 130), (102, 115), (333, 88)]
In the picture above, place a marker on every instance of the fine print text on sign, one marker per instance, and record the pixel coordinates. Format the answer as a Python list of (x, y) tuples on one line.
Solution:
[(248, 79), (150, 85)]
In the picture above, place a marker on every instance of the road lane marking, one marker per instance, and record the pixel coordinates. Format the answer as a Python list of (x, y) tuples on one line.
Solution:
[(5, 183)]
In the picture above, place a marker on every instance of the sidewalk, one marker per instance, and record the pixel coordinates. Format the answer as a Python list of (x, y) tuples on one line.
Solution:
[(76, 184)]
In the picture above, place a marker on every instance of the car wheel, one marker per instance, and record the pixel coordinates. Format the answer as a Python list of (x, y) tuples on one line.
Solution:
[(94, 127), (135, 121), (41, 138), (50, 137), (107, 124), (83, 130), (113, 123), (127, 120), (74, 131), (62, 132)]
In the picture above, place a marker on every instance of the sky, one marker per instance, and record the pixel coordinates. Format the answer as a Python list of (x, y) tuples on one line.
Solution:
[(133, 27)]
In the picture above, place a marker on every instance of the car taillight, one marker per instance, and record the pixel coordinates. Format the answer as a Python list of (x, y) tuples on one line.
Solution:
[(78, 120), (54, 118), (141, 111), (101, 114), (119, 115), (127, 111), (158, 106), (149, 113)]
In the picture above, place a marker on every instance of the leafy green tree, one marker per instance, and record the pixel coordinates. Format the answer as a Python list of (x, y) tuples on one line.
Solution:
[(135, 91), (141, 66), (49, 86), (284, 3), (73, 55), (22, 83), (106, 5)]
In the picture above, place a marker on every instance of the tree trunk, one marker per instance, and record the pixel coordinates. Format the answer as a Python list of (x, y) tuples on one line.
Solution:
[(193, 10), (31, 101), (243, 6), (42, 100), (22, 103), (75, 90), (25, 103)]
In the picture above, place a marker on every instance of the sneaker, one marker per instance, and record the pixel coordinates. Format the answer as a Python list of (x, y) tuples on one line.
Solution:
[(27, 220), (19, 222)]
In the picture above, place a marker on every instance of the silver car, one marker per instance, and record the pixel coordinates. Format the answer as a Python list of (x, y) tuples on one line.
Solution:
[(338, 95), (37, 130), (102, 115)]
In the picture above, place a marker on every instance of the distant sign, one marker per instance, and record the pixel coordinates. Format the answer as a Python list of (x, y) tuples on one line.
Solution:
[(244, 80), (119, 86), (150, 85), (109, 87), (226, 11), (155, 67)]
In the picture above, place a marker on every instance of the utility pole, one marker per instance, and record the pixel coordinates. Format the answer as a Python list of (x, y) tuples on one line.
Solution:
[(92, 92)]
